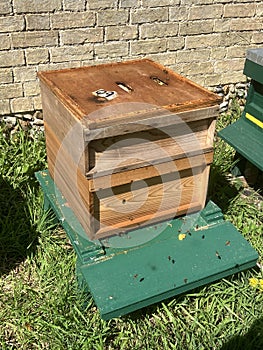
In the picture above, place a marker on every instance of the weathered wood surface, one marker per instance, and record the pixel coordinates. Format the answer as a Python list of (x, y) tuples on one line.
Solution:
[(133, 122), (99, 181), (162, 202), (74, 88), (66, 127), (101, 154), (149, 197), (154, 146), (72, 183), (171, 189)]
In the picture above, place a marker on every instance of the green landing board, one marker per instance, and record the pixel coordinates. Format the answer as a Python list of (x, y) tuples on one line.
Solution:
[(247, 139), (122, 280)]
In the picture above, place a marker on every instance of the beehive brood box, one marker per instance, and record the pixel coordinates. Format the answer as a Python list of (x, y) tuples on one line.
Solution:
[(139, 158)]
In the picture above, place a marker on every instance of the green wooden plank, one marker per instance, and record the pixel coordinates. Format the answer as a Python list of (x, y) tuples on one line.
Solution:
[(145, 275), (253, 70), (122, 280), (247, 139)]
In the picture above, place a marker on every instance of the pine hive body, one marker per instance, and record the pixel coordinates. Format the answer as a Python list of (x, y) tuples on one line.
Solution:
[(138, 159)]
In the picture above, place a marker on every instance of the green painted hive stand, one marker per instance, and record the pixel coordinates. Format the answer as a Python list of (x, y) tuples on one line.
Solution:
[(246, 134), (185, 253)]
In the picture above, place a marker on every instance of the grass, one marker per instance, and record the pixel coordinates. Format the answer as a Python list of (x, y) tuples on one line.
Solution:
[(41, 307)]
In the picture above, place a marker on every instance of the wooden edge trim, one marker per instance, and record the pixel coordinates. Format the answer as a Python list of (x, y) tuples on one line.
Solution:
[(151, 119), (206, 154)]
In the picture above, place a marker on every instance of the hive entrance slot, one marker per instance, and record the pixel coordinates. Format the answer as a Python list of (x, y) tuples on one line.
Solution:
[(124, 86), (158, 81)]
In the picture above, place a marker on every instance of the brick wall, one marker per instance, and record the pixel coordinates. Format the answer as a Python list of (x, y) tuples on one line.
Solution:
[(205, 40)]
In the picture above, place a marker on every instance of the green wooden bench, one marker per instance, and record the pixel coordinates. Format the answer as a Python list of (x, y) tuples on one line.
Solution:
[(246, 134)]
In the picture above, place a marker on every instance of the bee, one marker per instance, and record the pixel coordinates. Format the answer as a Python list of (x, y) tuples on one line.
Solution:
[(217, 254)]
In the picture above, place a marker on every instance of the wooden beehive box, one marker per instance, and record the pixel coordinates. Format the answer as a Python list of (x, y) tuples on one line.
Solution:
[(137, 159)]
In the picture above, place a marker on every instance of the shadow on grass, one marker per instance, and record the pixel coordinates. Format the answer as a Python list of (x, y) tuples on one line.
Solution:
[(18, 238), (258, 186), (220, 189), (252, 340)]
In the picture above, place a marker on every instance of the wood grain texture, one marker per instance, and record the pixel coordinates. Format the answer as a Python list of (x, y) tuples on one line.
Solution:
[(98, 182), (168, 193), (72, 184), (162, 198), (67, 128), (139, 159), (131, 122), (126, 152), (75, 86), (149, 219)]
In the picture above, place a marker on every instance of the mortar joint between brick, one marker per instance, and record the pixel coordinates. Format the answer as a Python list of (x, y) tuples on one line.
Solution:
[(59, 38), (96, 19), (93, 52), (129, 17), (104, 37), (129, 48), (49, 55), (12, 6), (24, 56), (139, 31)]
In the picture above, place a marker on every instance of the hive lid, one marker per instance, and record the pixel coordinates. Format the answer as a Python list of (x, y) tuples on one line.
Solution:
[(254, 65), (144, 82), (255, 55)]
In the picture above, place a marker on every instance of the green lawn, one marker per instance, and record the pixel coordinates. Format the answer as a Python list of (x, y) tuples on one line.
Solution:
[(41, 307)]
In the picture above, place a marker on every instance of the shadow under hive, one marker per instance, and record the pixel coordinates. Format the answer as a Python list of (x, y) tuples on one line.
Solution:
[(120, 168)]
